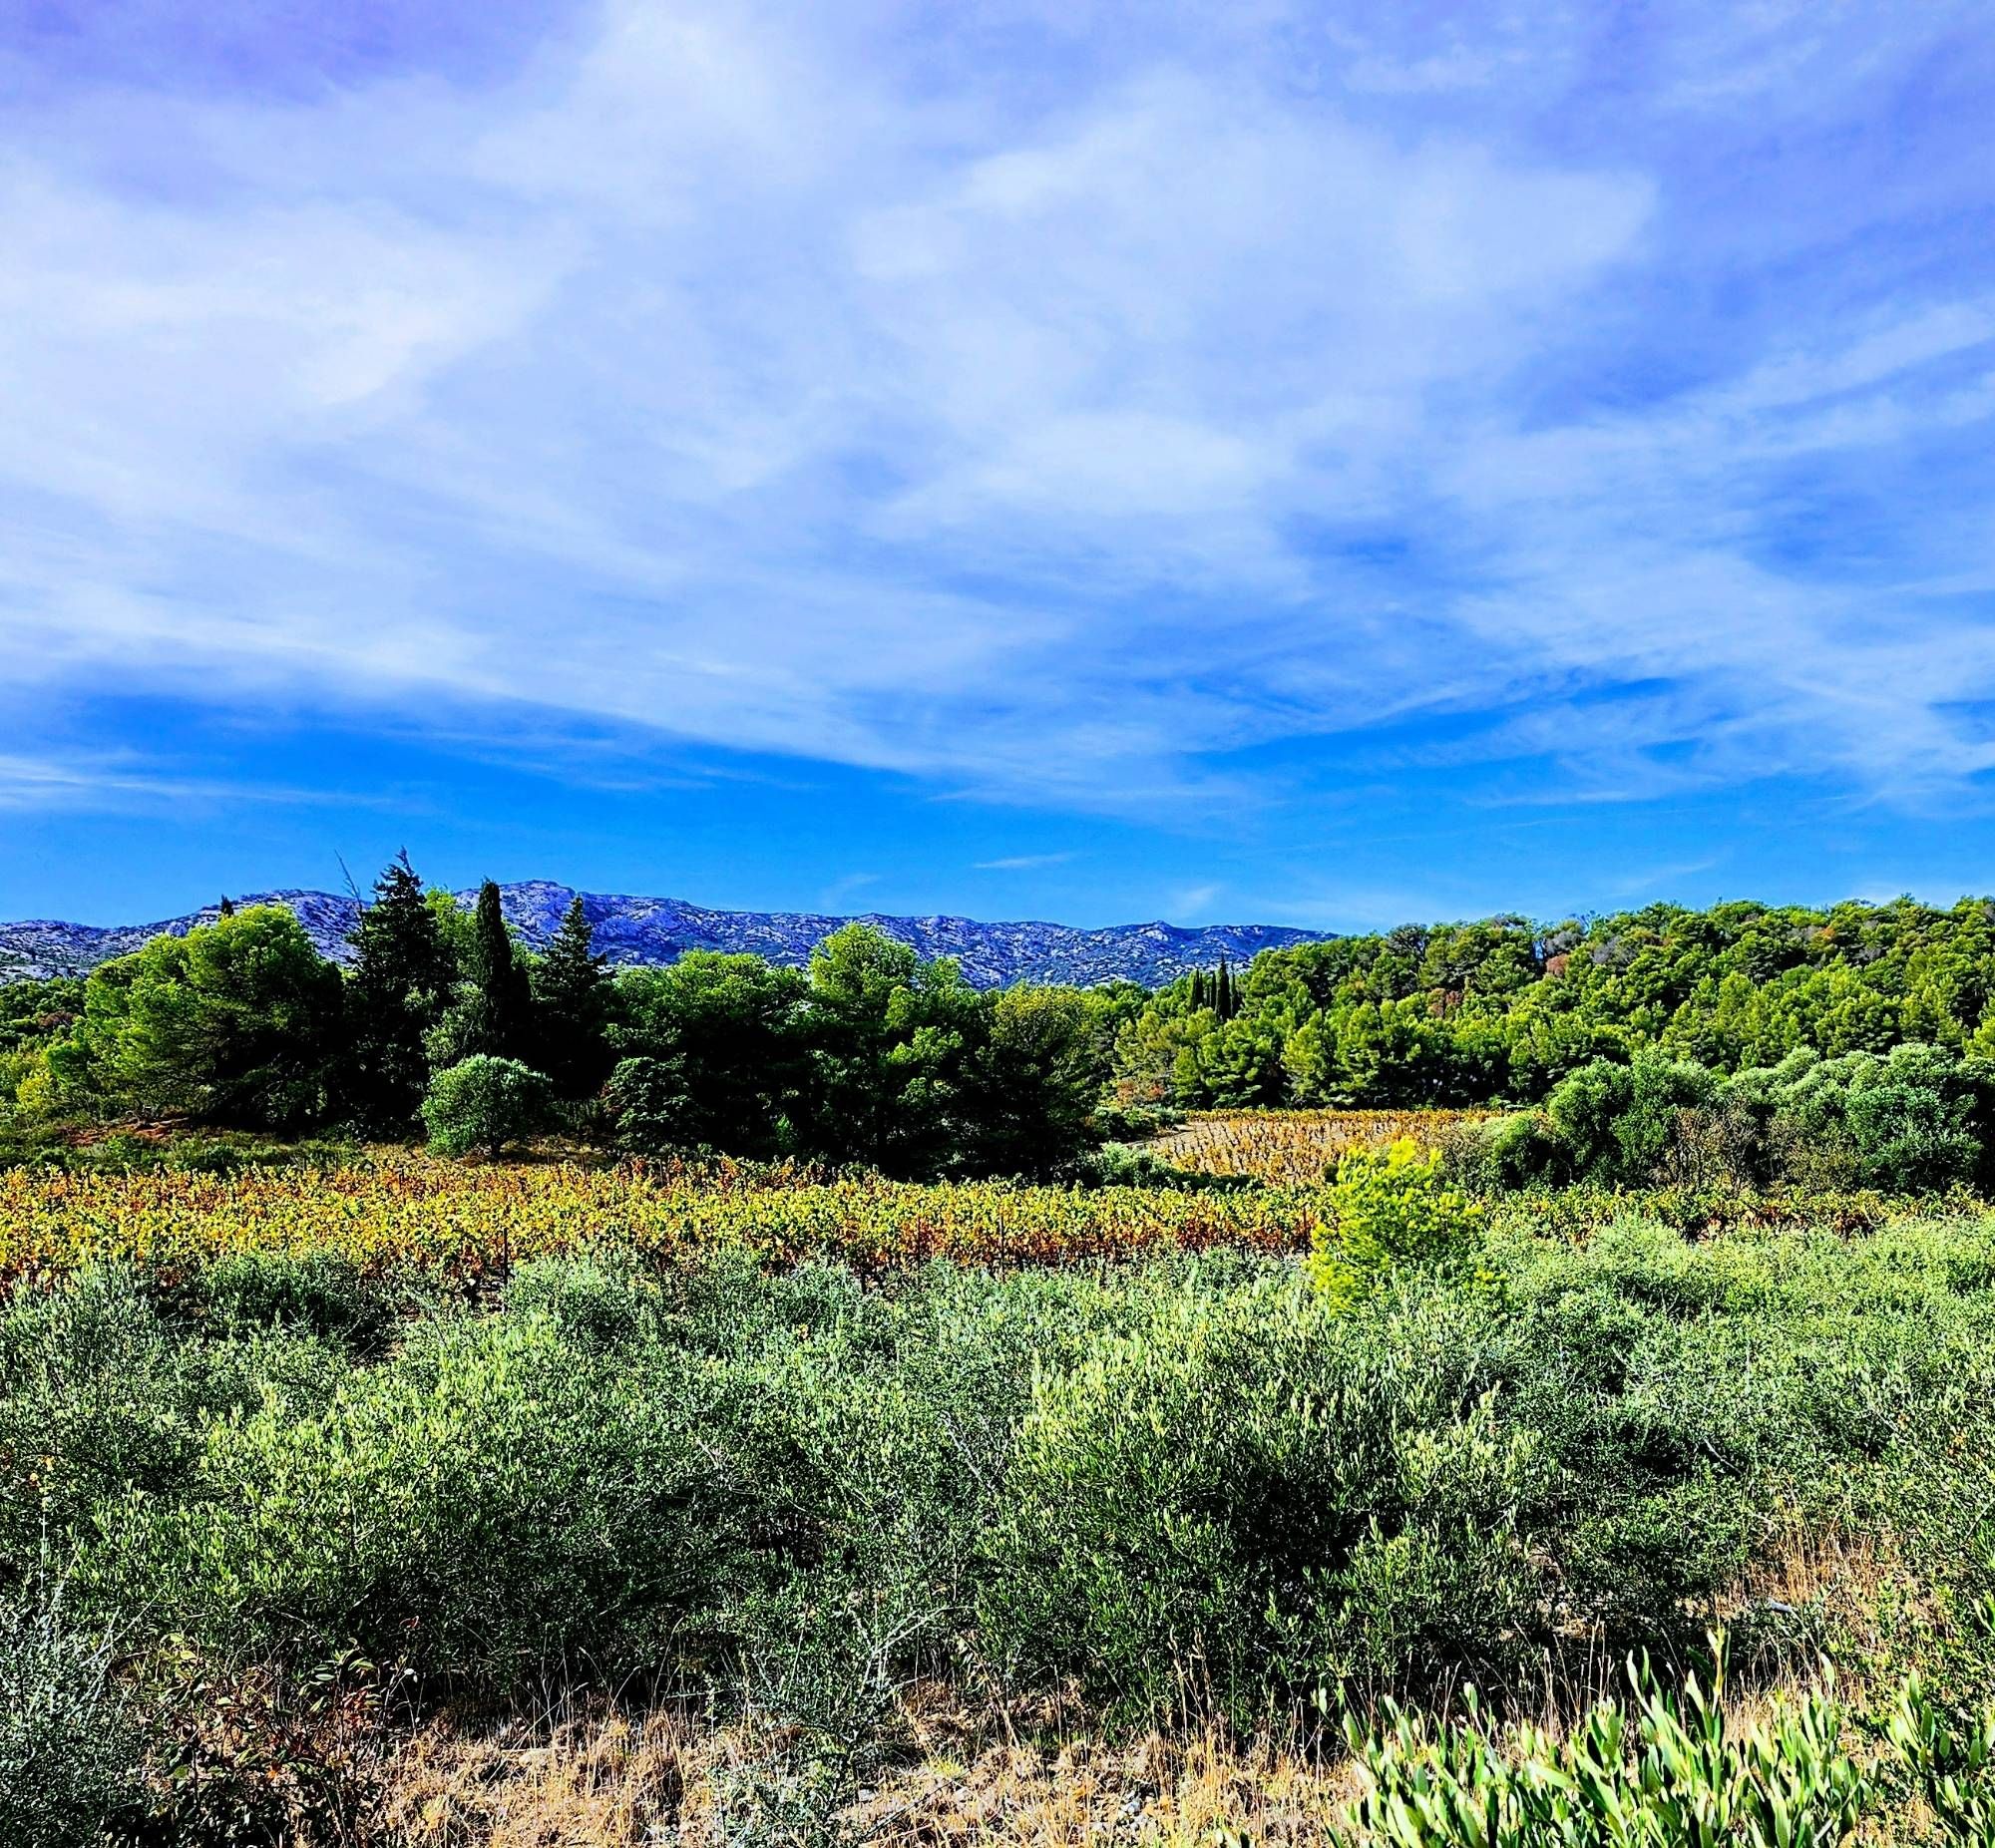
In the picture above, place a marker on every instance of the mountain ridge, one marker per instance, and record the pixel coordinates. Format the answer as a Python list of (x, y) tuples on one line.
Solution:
[(640, 932)]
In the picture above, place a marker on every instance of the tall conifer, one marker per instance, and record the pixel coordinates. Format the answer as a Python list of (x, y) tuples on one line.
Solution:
[(571, 994), (504, 999), (401, 979)]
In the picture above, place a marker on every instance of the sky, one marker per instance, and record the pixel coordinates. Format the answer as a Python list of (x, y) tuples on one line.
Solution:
[(1325, 464)]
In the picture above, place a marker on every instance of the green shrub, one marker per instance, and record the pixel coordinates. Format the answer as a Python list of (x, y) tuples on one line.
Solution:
[(1909, 1117), (485, 1102), (68, 1757), (1613, 1123), (315, 1292), (1907, 1121), (1253, 1493), (92, 1398), (1187, 1484), (598, 1302), (1912, 1121), (493, 1499), (1390, 1208), (1509, 1152)]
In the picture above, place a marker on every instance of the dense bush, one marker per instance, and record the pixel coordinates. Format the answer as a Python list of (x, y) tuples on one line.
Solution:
[(68, 1757), (485, 1102), (93, 1392), (495, 1501), (1190, 1485), (1251, 1497), (1390, 1208), (1915, 1119)]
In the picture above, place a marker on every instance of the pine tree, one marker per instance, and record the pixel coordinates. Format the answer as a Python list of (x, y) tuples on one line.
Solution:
[(571, 996), (504, 1000), (401, 976)]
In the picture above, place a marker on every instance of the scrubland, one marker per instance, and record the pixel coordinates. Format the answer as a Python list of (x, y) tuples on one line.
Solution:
[(416, 1503)]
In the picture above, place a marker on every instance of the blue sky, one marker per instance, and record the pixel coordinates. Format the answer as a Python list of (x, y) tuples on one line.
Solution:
[(1304, 464)]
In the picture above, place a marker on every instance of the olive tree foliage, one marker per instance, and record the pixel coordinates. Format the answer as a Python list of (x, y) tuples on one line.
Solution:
[(66, 1753), (485, 1102)]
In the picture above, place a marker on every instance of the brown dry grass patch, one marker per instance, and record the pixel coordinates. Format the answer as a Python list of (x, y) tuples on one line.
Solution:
[(1295, 1148), (617, 1779)]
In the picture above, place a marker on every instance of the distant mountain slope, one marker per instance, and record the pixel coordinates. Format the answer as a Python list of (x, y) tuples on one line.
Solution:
[(658, 931)]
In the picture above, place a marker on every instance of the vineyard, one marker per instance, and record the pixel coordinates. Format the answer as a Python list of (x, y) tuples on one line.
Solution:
[(405, 1214), (1294, 1148), (411, 1212)]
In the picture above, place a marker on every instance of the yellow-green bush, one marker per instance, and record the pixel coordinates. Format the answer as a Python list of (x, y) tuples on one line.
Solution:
[(1390, 1207)]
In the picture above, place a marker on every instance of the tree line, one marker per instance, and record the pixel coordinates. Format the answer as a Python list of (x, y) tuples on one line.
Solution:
[(1503, 1008), (442, 1017), (871, 1055)]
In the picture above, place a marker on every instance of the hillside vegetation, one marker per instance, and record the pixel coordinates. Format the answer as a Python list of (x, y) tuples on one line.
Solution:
[(1463, 1014), (839, 1406), (872, 1055)]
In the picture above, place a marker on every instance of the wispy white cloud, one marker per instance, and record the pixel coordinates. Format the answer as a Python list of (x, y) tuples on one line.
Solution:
[(123, 781), (1057, 431), (1024, 862), (1194, 902)]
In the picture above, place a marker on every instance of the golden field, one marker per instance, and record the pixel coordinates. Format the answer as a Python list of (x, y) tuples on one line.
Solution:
[(1294, 1148)]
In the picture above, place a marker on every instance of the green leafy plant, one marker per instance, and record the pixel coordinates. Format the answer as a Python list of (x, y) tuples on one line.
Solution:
[(1390, 1209), (1667, 1769), (68, 1757), (485, 1102), (1953, 1764)]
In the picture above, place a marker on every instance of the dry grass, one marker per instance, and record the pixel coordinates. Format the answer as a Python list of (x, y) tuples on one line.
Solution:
[(1158, 1792), (609, 1783), (1295, 1148), (619, 1781)]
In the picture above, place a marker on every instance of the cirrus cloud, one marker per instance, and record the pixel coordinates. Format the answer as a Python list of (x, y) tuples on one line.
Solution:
[(1073, 416)]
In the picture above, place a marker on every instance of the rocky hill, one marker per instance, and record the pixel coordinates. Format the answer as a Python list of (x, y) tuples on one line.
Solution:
[(659, 930)]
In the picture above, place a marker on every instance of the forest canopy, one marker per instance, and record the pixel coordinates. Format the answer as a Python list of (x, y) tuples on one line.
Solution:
[(874, 1056)]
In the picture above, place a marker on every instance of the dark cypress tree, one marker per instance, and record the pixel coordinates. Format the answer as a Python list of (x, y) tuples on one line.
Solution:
[(226, 909), (401, 977), (572, 1003), (1197, 989), (504, 997), (1223, 988)]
